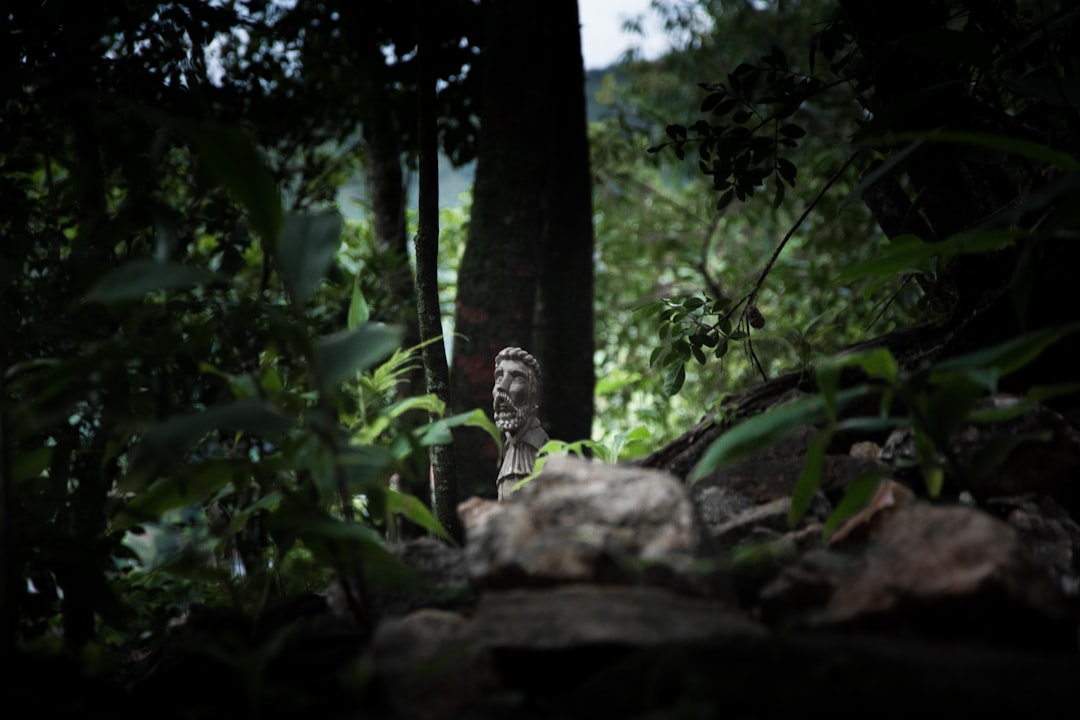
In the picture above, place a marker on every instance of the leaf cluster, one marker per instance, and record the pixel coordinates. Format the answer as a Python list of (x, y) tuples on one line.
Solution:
[(200, 402), (749, 134), (695, 328)]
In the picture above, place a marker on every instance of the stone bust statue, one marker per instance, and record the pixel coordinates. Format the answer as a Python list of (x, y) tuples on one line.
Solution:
[(515, 398)]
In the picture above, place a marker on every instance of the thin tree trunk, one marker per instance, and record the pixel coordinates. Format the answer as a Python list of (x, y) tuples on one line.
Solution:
[(427, 290)]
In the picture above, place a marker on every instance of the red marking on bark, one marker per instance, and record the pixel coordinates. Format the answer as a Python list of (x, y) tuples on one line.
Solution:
[(472, 314), (476, 367), (526, 270)]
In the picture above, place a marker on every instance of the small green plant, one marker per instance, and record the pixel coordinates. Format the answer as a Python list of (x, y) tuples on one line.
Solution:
[(624, 445), (934, 403)]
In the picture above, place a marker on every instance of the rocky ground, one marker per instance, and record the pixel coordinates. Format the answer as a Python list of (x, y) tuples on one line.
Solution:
[(625, 591)]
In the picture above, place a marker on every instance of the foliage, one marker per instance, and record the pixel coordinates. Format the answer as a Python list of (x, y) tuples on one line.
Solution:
[(199, 403), (701, 276), (754, 118), (624, 446), (663, 244), (917, 142), (934, 402)]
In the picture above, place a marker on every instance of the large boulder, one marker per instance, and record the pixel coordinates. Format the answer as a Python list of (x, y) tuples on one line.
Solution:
[(580, 521), (934, 570)]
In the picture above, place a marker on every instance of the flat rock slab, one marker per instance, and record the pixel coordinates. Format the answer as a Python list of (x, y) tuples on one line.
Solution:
[(575, 615)]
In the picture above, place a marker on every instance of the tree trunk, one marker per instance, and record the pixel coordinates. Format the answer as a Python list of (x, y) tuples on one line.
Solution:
[(564, 321), (499, 271), (427, 288), (530, 230)]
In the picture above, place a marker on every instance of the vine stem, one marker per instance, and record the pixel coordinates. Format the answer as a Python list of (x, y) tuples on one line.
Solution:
[(748, 298), (802, 218)]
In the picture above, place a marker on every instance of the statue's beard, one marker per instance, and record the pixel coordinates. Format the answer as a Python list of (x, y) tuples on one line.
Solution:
[(508, 416)]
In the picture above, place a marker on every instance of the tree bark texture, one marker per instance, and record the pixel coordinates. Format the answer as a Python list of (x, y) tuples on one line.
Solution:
[(384, 179), (427, 289), (565, 319), (525, 278)]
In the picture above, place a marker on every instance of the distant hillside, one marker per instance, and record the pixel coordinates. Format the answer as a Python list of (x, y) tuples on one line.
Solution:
[(454, 182)]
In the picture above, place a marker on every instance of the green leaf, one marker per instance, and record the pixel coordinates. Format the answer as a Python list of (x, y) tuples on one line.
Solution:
[(438, 432), (908, 254), (415, 511), (870, 178), (877, 363), (167, 443), (363, 465), (762, 430), (134, 279), (993, 141), (340, 544), (1035, 395), (312, 523), (358, 307), (615, 381), (190, 485), (235, 163), (633, 442), (933, 478), (342, 355), (1006, 357), (711, 101), (905, 254), (949, 406), (674, 378), (241, 516), (879, 424), (927, 456), (809, 479), (855, 498), (309, 243), (828, 381)]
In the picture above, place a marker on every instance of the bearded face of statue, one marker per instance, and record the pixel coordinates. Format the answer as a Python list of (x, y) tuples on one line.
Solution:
[(512, 395)]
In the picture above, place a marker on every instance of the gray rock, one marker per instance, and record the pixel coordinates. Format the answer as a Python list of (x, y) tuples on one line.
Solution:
[(754, 523), (582, 521), (948, 570), (580, 615)]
